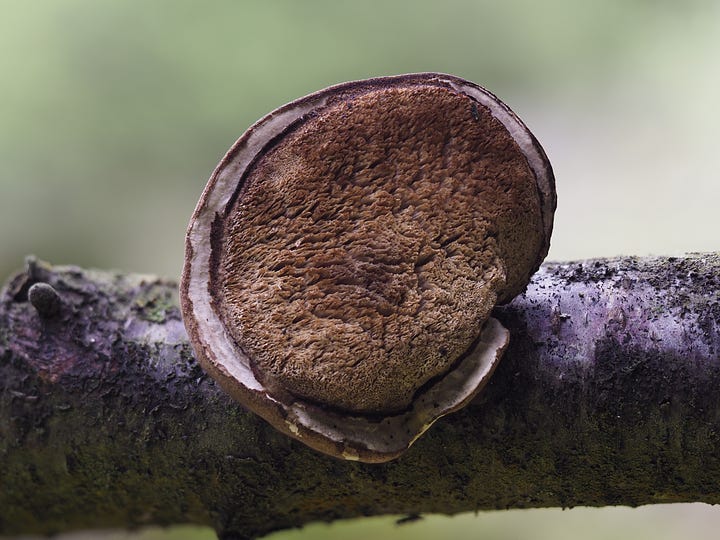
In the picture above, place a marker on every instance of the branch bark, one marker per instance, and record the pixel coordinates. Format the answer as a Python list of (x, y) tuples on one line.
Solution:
[(607, 395)]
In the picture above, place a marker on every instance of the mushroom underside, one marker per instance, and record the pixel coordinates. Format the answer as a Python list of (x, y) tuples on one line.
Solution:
[(363, 252)]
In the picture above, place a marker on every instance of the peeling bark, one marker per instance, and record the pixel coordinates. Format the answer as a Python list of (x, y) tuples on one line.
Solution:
[(607, 395)]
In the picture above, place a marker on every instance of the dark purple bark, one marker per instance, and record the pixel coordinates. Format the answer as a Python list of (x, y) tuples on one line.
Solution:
[(607, 395)]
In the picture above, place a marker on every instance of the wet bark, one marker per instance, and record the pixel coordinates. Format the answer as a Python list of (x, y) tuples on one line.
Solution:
[(607, 395)]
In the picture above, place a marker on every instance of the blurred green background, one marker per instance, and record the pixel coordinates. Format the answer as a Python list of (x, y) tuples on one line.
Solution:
[(113, 114)]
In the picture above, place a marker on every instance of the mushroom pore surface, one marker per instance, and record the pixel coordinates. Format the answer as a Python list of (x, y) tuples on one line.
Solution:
[(367, 245)]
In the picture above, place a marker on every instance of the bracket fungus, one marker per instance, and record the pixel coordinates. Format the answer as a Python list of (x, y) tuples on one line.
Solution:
[(344, 259)]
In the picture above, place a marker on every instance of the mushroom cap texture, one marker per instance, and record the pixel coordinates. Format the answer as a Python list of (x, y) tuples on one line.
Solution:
[(343, 261)]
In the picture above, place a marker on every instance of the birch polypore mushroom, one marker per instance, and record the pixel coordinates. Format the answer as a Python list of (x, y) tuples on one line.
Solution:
[(346, 254)]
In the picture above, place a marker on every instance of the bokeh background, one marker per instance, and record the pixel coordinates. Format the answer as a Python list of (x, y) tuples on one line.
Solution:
[(113, 114)]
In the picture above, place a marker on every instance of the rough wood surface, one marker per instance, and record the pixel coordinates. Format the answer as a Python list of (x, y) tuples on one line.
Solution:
[(608, 395)]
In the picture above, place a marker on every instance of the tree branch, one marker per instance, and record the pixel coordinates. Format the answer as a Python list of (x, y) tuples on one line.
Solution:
[(607, 395)]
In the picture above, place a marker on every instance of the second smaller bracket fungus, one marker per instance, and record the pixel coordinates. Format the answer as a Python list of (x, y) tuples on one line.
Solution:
[(343, 261)]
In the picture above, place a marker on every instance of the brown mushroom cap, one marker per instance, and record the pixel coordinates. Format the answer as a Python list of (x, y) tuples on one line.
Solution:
[(344, 258)]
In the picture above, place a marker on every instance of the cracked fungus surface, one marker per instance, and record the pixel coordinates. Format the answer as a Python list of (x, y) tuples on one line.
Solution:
[(365, 250)]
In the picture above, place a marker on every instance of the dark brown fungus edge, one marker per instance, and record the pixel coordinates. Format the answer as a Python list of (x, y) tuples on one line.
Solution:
[(347, 436)]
